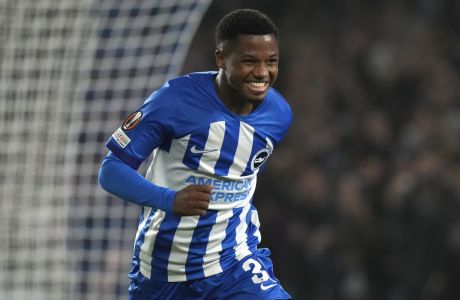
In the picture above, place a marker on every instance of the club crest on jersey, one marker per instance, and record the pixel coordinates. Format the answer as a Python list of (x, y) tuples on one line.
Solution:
[(132, 121), (261, 156)]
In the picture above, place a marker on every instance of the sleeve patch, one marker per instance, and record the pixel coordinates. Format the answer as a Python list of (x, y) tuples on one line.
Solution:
[(132, 121), (121, 138)]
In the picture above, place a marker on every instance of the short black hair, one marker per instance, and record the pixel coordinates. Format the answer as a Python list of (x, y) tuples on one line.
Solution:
[(244, 21)]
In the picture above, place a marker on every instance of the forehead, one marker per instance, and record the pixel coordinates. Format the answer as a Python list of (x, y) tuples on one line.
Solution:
[(249, 43)]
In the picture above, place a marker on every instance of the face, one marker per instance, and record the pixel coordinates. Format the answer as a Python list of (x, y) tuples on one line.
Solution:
[(249, 66)]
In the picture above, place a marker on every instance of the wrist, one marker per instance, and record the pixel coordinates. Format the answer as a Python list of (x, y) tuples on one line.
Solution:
[(168, 200)]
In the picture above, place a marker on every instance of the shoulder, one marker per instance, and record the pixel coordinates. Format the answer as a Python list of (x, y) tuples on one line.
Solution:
[(192, 81), (279, 106), (181, 101), (183, 89), (274, 117)]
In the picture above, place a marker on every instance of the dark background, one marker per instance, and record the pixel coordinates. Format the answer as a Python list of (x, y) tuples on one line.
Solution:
[(361, 200)]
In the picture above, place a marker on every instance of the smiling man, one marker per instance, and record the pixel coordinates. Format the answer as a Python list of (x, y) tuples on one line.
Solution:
[(248, 67), (211, 134)]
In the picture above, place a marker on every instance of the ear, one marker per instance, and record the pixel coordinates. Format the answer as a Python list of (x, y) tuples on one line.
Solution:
[(219, 59)]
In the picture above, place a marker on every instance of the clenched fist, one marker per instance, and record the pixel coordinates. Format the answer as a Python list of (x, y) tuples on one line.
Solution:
[(193, 200)]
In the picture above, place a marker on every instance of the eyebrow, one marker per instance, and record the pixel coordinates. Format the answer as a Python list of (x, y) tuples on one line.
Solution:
[(247, 55)]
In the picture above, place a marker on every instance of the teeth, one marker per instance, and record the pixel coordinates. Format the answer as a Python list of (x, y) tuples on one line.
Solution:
[(257, 84)]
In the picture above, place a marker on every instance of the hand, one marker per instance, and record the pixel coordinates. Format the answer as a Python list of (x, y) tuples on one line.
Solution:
[(193, 200)]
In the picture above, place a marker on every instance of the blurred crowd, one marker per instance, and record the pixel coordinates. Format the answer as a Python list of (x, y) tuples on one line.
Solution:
[(362, 199)]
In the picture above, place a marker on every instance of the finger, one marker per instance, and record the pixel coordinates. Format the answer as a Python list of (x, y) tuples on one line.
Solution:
[(200, 205), (200, 196), (205, 188), (199, 212), (194, 212)]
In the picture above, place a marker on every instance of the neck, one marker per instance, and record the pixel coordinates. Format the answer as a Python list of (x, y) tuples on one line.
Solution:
[(231, 99)]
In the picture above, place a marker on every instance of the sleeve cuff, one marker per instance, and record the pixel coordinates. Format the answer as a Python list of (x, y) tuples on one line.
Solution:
[(168, 200), (126, 158)]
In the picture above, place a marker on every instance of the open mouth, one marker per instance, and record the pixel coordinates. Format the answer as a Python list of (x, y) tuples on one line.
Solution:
[(257, 86)]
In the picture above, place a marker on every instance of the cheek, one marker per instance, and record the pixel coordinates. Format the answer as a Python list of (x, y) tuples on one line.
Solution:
[(234, 75), (239, 71), (234, 81), (274, 74)]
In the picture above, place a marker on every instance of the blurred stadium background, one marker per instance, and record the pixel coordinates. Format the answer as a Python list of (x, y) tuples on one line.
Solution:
[(361, 201)]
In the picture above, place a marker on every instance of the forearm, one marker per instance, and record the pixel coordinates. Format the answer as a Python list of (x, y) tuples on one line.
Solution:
[(121, 180)]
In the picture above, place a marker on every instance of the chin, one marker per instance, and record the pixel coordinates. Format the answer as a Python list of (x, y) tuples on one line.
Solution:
[(257, 98), (254, 97), (248, 95)]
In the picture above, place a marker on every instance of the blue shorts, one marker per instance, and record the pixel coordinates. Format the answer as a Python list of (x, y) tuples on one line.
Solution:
[(252, 278)]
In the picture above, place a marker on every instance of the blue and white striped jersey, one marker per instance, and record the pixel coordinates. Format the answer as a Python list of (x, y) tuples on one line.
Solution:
[(196, 139)]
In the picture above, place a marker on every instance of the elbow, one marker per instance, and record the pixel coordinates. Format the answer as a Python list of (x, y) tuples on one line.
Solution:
[(103, 179)]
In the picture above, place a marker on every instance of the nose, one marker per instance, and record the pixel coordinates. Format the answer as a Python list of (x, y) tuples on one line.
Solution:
[(261, 71)]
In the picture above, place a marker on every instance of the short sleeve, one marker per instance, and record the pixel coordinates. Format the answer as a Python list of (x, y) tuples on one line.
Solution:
[(144, 130)]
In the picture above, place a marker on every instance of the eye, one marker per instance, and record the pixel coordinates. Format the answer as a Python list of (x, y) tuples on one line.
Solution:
[(248, 61), (273, 61)]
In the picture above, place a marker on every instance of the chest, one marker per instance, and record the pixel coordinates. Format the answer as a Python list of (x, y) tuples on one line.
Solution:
[(227, 147)]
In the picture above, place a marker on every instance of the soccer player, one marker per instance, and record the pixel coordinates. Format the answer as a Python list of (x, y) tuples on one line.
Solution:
[(210, 134)]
